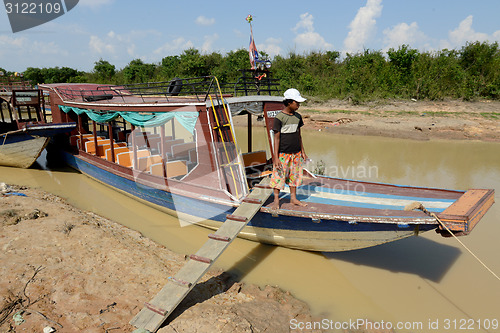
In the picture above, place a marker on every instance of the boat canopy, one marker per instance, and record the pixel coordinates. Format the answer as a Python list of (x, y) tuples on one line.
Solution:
[(187, 119)]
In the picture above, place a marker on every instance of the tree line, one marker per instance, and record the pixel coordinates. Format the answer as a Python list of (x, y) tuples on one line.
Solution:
[(471, 72)]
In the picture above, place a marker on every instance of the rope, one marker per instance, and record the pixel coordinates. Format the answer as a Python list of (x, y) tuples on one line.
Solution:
[(422, 208), (11, 132)]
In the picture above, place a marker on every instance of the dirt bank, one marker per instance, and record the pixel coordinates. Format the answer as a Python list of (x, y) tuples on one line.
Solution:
[(419, 120), (78, 272)]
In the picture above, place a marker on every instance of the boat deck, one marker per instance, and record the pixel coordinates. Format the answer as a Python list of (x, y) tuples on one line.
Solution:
[(364, 202)]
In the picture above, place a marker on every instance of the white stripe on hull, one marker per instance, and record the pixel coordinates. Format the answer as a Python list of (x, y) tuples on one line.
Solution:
[(323, 241), (370, 200), (22, 154)]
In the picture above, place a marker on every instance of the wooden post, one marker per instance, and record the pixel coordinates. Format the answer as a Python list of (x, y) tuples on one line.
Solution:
[(80, 128), (173, 128), (249, 132), (1, 111), (94, 129), (43, 110), (111, 141), (134, 148), (162, 150), (10, 113)]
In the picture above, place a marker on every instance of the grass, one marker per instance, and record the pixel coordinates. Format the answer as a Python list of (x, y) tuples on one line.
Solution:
[(490, 115)]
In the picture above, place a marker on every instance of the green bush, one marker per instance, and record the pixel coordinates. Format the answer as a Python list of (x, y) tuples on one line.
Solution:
[(468, 73)]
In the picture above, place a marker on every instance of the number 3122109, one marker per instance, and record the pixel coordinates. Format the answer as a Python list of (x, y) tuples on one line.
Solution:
[(470, 324), (33, 8)]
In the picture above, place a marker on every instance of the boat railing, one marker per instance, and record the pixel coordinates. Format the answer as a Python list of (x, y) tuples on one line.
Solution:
[(256, 82), (198, 88)]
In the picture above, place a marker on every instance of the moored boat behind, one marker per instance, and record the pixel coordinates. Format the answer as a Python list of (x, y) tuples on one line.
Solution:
[(24, 131)]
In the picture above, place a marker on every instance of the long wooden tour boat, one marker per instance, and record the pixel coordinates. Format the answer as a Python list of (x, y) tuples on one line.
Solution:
[(172, 145)]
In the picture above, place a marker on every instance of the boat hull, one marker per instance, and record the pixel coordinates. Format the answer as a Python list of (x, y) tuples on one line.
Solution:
[(302, 233), (21, 150)]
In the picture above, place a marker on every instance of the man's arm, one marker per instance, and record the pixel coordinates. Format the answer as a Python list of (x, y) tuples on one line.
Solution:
[(276, 147), (304, 155)]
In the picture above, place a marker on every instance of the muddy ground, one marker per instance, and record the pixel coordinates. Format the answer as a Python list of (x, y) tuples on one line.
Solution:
[(75, 271), (418, 120)]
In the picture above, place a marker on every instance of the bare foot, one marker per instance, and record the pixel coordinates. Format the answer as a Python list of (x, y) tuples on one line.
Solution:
[(298, 203), (275, 205)]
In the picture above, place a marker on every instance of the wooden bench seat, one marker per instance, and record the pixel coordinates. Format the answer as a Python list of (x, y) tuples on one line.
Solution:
[(169, 143), (117, 150), (173, 169), (144, 163), (73, 140), (181, 150), (126, 158), (101, 149), (87, 139), (90, 146)]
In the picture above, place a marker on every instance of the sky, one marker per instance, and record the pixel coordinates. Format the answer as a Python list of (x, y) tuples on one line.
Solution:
[(120, 31)]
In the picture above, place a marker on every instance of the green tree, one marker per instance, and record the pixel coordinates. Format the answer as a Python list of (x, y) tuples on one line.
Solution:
[(481, 62), (34, 75), (192, 63), (104, 71), (137, 71), (170, 67)]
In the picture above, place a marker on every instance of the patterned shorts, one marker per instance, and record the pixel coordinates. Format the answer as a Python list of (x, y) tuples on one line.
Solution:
[(290, 173)]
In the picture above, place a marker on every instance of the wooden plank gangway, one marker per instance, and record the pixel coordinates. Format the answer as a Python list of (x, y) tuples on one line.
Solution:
[(156, 311)]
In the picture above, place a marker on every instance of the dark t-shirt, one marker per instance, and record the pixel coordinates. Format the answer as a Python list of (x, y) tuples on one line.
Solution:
[(288, 126)]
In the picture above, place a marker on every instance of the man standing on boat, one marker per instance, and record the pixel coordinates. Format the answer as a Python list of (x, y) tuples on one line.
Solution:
[(288, 150)]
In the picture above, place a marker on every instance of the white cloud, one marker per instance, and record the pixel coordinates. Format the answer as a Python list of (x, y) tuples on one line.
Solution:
[(50, 48), (205, 21), (363, 26), (307, 38), (177, 45), (22, 52), (7, 42), (271, 46), (99, 46), (208, 43), (115, 45), (465, 33), (403, 33)]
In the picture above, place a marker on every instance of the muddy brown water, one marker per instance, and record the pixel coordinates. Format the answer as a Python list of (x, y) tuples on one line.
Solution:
[(421, 284)]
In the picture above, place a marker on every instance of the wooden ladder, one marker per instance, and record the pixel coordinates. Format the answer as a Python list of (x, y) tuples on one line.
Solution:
[(163, 304)]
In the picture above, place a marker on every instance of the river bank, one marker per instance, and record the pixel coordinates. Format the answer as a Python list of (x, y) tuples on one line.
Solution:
[(418, 120), (75, 271)]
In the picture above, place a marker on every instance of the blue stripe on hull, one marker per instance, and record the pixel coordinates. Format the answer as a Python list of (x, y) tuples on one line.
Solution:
[(15, 138), (217, 212)]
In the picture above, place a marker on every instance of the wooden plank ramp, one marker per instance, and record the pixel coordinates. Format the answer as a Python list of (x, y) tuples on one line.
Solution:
[(156, 311)]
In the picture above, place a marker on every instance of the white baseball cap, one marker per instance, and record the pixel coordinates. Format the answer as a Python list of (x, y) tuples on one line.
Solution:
[(294, 94)]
